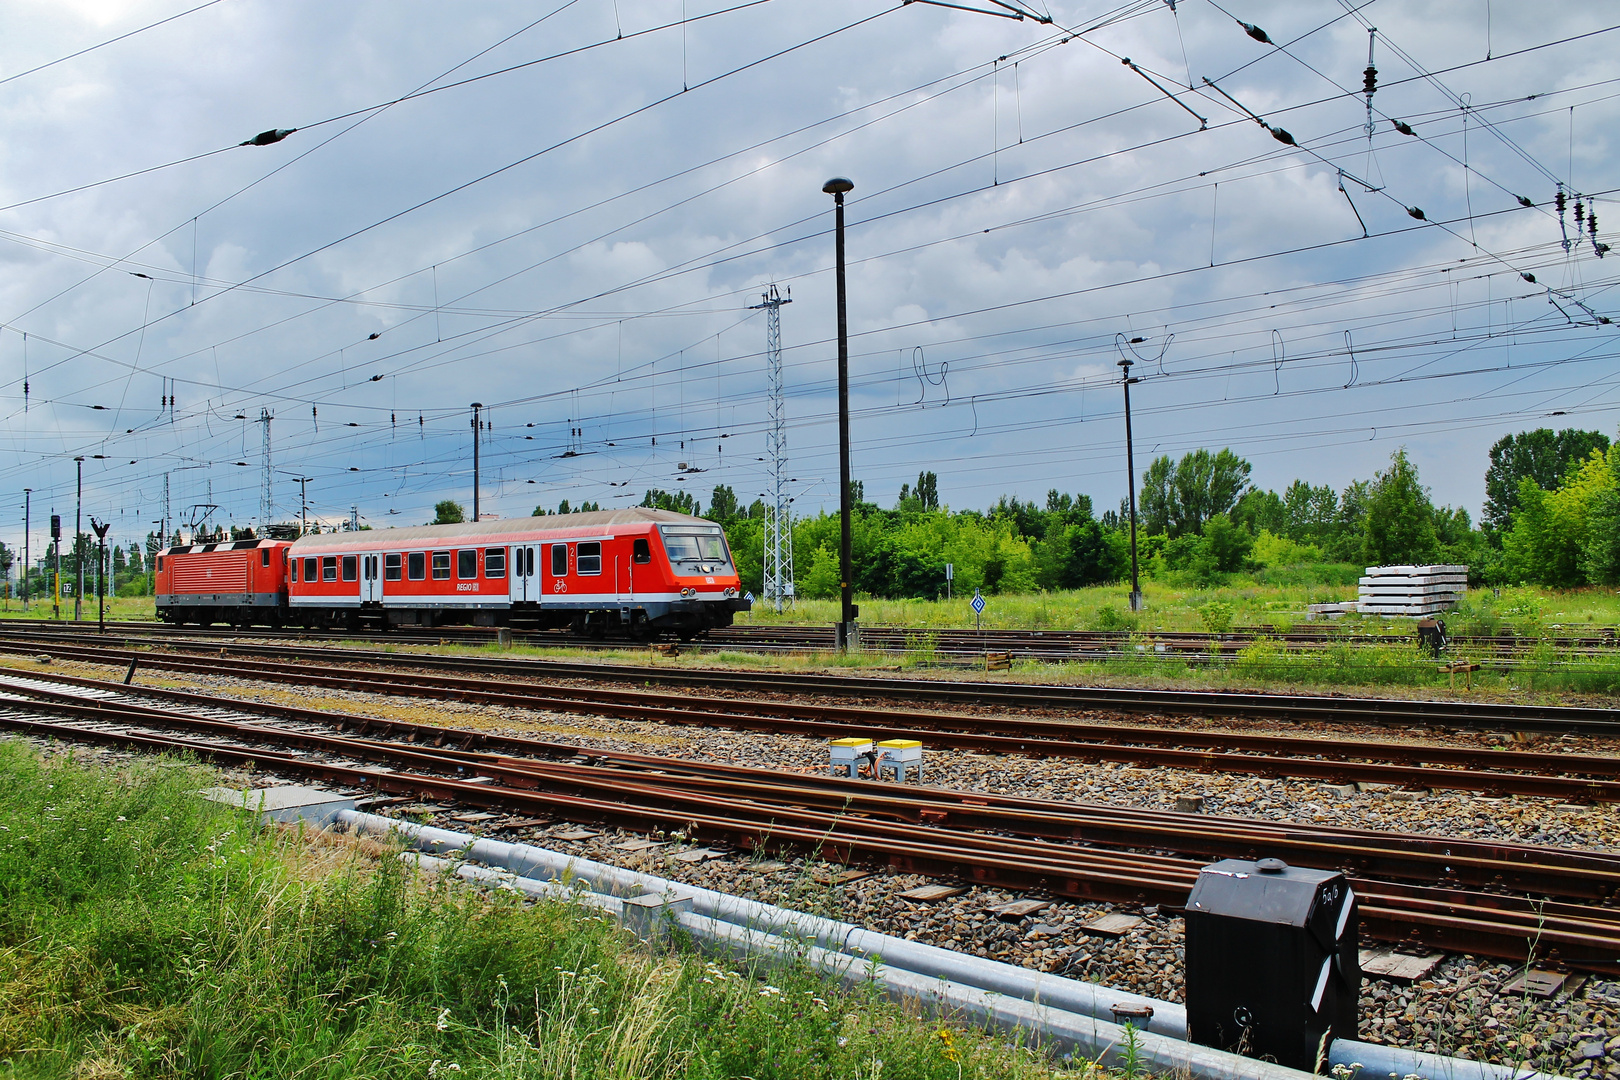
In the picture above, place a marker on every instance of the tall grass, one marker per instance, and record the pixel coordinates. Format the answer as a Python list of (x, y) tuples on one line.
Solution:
[(146, 933)]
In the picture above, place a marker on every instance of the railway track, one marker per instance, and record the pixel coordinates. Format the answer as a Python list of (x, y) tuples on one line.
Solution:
[(1501, 900), (1286, 708), (945, 645), (1557, 775)]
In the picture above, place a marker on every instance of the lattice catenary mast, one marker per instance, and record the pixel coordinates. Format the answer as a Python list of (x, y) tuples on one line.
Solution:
[(266, 499), (778, 516)]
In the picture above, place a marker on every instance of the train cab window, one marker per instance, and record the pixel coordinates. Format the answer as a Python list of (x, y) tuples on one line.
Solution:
[(441, 566), (589, 558), (264, 556), (467, 564), (494, 562), (351, 568), (391, 566), (293, 563), (311, 569), (559, 560), (329, 568), (641, 551), (160, 563), (416, 565)]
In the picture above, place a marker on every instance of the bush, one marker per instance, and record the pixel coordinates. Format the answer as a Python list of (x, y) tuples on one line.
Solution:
[(1109, 618), (1216, 617)]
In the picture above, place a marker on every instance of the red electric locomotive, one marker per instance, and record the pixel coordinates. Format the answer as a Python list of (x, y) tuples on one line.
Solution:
[(635, 571), (239, 582)]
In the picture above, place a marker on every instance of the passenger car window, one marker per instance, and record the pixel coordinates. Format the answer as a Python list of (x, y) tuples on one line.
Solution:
[(441, 566), (467, 564), (641, 551), (351, 567), (589, 558), (417, 561), (391, 566), (329, 568), (310, 570), (495, 562), (293, 563), (559, 560)]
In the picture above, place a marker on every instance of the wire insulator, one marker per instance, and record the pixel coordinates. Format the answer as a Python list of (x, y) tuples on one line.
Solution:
[(1403, 127), (1558, 201), (1282, 136), (1255, 32), (1531, 278), (1524, 201), (1369, 80), (1416, 212), (1591, 221)]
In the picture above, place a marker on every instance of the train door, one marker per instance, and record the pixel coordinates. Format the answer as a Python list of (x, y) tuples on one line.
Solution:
[(525, 579), (370, 579)]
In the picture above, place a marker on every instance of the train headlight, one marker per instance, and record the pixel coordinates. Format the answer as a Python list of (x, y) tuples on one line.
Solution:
[(730, 592)]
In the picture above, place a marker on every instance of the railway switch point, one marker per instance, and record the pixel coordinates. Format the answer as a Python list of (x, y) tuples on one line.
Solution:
[(846, 755), (899, 756), (285, 803)]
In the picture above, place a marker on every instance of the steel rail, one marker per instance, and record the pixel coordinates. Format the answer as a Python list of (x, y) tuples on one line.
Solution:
[(1584, 937), (1350, 849), (1282, 707), (1574, 776), (1046, 644)]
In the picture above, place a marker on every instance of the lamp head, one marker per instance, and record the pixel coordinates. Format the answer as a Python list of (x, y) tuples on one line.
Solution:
[(838, 185)]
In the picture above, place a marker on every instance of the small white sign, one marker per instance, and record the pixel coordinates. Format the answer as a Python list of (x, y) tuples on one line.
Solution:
[(950, 572)]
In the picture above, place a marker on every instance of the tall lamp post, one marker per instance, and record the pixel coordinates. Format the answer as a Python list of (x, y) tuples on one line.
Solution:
[(475, 407), (1130, 471), (847, 634)]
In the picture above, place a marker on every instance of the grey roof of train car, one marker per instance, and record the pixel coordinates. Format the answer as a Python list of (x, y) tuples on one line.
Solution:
[(413, 534)]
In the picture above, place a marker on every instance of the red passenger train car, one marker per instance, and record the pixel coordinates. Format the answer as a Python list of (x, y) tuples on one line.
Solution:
[(635, 571)]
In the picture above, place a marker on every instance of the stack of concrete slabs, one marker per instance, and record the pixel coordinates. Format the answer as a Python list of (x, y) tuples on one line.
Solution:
[(1411, 590)]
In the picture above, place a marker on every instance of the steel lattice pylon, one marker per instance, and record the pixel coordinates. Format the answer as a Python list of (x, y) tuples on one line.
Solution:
[(266, 496), (778, 516)]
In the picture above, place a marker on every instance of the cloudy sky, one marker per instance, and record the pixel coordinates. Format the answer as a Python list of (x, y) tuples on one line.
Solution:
[(565, 211)]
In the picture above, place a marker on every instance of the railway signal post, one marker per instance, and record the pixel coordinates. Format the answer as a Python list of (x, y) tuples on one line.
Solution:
[(847, 635), (101, 573)]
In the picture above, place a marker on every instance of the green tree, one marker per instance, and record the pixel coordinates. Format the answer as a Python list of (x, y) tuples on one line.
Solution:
[(1156, 504), (1177, 498), (723, 504), (1399, 525), (448, 512), (679, 502), (1205, 485), (1542, 456), (1600, 555), (1260, 511)]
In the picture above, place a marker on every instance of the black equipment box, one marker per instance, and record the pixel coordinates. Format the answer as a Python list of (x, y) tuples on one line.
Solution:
[(1273, 969)]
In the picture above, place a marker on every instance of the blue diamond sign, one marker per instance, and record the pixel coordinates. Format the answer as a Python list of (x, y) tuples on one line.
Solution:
[(978, 604), (748, 596)]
